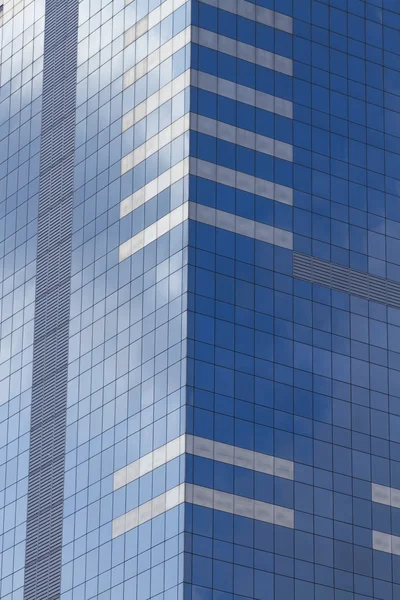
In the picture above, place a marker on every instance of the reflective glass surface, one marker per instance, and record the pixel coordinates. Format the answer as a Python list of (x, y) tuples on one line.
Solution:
[(233, 420)]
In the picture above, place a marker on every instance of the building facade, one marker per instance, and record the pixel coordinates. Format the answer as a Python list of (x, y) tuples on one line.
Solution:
[(200, 300)]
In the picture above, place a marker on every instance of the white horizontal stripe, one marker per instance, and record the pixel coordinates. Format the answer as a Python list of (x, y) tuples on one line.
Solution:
[(212, 172), (241, 93), (240, 225), (254, 12), (241, 181), (212, 40), (240, 457), (149, 462), (384, 542), (154, 187), (210, 83), (208, 216), (252, 54), (154, 144), (211, 127), (208, 498), (149, 510), (242, 137), (385, 495), (154, 101), (198, 446), (151, 19), (154, 231), (154, 59), (239, 505)]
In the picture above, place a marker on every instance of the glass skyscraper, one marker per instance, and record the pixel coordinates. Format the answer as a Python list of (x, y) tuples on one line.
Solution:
[(200, 299)]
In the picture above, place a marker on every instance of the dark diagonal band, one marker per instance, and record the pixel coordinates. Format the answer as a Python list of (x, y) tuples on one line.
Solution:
[(50, 355)]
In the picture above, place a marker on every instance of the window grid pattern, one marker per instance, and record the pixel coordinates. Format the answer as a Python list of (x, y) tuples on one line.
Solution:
[(232, 415), (127, 353), (282, 345), (21, 66)]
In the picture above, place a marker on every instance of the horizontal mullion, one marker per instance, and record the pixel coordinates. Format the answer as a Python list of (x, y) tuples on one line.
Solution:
[(208, 216), (154, 187), (241, 93), (155, 143), (152, 19), (205, 448), (211, 127), (154, 59), (151, 233), (385, 542), (166, 93), (241, 181), (254, 12), (212, 172), (241, 137), (208, 498), (383, 494), (209, 83), (247, 52)]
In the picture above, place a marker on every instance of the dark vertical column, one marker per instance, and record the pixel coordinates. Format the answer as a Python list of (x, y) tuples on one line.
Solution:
[(50, 353)]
